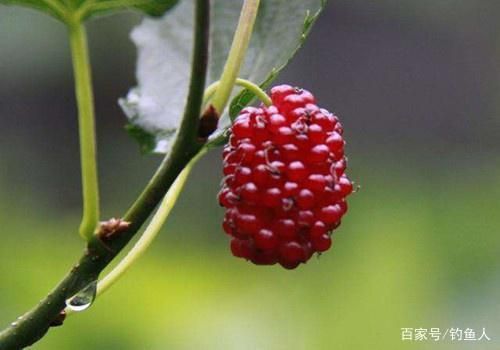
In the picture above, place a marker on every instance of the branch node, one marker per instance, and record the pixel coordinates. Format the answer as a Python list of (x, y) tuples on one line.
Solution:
[(208, 123), (59, 320), (112, 228)]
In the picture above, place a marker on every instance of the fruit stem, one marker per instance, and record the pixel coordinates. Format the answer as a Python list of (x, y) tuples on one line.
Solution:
[(85, 102), (254, 88), (236, 54)]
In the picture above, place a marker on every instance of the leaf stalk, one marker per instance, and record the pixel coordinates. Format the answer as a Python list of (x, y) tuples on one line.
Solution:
[(86, 121), (237, 54)]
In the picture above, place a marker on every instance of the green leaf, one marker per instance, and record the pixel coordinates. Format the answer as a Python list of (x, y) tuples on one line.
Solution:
[(145, 139), (164, 53), (84, 9), (154, 8), (53, 8), (157, 8)]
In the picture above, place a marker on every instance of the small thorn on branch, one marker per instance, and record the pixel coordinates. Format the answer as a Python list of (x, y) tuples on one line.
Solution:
[(208, 123), (59, 320), (111, 228)]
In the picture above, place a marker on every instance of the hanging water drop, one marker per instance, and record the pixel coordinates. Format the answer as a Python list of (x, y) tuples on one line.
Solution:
[(83, 299)]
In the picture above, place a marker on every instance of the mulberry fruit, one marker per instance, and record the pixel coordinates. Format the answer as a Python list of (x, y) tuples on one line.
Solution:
[(284, 185)]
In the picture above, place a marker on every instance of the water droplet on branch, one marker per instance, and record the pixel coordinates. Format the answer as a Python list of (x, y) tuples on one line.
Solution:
[(83, 299)]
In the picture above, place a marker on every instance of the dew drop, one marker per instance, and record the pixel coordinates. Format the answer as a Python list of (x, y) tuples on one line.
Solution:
[(83, 299)]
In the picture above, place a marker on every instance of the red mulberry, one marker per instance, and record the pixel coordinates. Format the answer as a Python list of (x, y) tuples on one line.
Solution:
[(285, 186)]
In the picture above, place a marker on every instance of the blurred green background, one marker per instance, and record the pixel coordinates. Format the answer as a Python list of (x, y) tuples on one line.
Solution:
[(416, 84)]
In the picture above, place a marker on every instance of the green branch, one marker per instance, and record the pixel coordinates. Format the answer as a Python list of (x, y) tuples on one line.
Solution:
[(154, 227), (85, 101), (32, 326)]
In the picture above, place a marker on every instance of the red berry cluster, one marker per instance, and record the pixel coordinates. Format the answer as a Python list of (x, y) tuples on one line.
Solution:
[(285, 185)]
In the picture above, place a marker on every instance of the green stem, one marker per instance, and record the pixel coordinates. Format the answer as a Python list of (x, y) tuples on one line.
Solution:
[(236, 54), (85, 101), (261, 94), (186, 143), (153, 228), (33, 325)]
